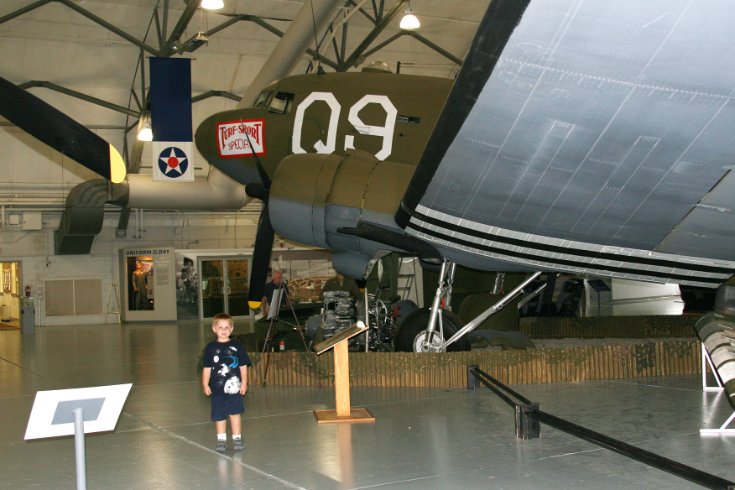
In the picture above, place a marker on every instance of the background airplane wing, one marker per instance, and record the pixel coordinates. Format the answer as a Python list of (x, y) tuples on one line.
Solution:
[(60, 132), (596, 137)]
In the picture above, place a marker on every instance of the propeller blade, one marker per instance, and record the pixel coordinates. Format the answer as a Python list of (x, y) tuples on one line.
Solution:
[(261, 260), (265, 180), (257, 191), (60, 132)]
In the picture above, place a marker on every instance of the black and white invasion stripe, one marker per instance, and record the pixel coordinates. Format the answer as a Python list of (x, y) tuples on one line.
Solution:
[(548, 253)]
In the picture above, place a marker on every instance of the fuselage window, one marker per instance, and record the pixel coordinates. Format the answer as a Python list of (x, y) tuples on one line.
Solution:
[(262, 99), (281, 103)]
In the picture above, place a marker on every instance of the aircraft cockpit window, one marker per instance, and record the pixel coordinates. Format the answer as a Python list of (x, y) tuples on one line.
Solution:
[(262, 99), (281, 103)]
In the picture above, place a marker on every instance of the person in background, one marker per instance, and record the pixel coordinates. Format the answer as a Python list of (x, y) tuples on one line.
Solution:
[(225, 381), (270, 288), (342, 283)]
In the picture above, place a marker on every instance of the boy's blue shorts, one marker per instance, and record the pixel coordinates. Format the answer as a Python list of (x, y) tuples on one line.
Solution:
[(226, 405)]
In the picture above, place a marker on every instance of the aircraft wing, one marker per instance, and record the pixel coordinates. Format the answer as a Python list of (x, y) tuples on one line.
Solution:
[(60, 132), (588, 136)]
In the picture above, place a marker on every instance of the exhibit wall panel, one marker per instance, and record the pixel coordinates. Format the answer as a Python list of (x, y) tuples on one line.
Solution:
[(87, 297), (59, 297), (66, 297)]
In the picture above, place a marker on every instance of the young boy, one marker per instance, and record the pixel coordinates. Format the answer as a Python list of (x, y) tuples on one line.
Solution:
[(225, 380)]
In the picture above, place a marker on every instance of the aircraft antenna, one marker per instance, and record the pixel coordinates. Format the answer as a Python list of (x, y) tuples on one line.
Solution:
[(319, 69)]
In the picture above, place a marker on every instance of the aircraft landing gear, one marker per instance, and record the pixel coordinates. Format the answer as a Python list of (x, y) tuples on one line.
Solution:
[(414, 337), (439, 330), (428, 329)]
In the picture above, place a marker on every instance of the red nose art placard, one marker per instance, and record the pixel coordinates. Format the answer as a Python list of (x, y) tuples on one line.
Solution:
[(241, 138)]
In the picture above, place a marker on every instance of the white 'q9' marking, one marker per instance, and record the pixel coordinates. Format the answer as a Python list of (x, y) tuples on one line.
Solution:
[(386, 131), (319, 146)]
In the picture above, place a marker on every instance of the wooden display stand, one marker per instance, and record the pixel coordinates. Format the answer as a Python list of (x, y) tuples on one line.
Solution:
[(343, 413)]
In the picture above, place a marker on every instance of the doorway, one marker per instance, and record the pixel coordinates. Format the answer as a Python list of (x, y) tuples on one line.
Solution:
[(10, 293), (224, 286)]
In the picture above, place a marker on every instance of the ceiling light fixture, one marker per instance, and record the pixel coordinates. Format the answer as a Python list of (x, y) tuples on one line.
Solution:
[(145, 133), (410, 22), (212, 4)]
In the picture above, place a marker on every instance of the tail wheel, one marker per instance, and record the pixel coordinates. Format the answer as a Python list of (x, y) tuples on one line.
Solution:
[(412, 332)]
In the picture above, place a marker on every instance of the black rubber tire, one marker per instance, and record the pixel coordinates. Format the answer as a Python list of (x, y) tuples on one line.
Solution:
[(417, 321)]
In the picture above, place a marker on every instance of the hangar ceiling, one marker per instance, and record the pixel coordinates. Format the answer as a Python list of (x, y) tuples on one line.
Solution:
[(84, 58)]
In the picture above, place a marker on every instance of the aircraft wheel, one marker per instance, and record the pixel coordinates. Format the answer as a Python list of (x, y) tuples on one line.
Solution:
[(411, 335)]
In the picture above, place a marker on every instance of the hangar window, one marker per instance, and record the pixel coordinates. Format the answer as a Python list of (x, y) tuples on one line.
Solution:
[(262, 99), (281, 103)]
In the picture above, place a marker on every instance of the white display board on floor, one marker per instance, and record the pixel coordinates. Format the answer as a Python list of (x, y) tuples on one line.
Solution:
[(76, 411), (52, 414)]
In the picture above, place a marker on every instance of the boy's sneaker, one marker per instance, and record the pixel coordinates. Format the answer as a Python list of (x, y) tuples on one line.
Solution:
[(221, 447), (238, 445)]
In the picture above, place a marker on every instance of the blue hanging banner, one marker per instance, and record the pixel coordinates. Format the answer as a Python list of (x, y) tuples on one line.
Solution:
[(172, 148), (171, 99)]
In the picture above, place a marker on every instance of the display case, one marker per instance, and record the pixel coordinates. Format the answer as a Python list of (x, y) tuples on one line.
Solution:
[(149, 284)]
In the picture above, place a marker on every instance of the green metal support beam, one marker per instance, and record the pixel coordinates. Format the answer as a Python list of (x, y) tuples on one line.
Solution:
[(358, 53), (79, 95)]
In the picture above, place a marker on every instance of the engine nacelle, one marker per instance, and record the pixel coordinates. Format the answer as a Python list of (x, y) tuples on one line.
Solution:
[(314, 195)]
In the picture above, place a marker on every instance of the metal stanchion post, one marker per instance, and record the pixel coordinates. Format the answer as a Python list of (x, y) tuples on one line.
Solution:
[(79, 448)]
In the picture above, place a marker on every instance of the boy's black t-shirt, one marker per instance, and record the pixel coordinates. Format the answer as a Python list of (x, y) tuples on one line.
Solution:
[(225, 359)]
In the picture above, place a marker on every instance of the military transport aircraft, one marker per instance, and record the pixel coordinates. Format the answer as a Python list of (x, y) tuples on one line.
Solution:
[(590, 137)]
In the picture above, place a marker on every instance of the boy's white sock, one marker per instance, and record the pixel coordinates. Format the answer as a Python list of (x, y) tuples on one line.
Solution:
[(236, 436), (222, 437)]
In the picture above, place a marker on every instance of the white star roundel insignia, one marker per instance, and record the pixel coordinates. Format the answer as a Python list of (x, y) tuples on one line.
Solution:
[(173, 162)]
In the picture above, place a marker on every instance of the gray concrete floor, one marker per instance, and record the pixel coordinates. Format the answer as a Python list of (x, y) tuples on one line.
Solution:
[(422, 438)]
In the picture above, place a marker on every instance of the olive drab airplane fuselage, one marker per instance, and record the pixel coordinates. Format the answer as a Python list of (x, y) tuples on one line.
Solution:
[(338, 152), (387, 116)]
